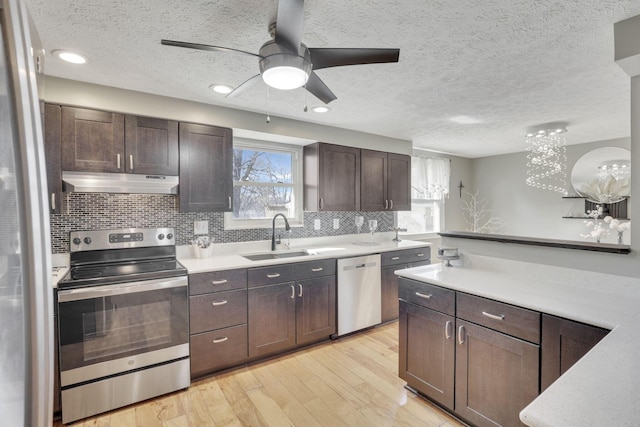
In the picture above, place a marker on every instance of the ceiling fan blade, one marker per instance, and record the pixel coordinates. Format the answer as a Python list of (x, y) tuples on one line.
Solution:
[(199, 46), (337, 57), (320, 90), (289, 24), (247, 84)]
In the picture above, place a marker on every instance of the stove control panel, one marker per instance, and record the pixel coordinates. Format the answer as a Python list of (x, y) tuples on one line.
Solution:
[(125, 237), (93, 240)]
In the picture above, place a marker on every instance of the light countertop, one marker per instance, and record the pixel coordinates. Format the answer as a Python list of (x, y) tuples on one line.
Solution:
[(601, 388), (228, 256)]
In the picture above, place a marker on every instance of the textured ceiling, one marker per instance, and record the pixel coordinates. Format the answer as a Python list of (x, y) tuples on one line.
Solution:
[(509, 64)]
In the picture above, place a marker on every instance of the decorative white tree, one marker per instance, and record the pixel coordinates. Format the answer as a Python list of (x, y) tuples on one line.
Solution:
[(477, 216)]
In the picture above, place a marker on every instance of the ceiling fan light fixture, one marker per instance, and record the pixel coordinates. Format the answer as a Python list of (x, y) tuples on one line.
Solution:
[(285, 72), (321, 109)]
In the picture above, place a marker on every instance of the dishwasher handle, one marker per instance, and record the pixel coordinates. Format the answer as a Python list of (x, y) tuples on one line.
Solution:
[(358, 266)]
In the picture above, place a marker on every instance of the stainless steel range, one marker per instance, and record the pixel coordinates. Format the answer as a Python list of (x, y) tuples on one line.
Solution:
[(123, 320)]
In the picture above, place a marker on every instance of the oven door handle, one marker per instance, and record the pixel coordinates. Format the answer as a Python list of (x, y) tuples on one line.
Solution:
[(78, 294)]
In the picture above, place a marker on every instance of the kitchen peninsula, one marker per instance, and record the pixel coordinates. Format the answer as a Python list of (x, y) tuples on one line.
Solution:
[(600, 388)]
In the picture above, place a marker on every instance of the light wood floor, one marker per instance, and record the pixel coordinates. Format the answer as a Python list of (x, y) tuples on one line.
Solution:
[(349, 382)]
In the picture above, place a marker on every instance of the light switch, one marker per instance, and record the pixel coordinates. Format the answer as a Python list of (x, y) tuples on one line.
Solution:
[(336, 223), (200, 227), (316, 224)]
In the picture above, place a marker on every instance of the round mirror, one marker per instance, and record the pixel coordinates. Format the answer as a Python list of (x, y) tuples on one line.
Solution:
[(602, 175)]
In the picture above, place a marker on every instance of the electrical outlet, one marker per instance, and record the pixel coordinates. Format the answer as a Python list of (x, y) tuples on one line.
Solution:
[(336, 223), (316, 224), (201, 227)]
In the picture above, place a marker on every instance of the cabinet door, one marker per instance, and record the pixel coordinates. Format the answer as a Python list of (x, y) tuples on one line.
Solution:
[(389, 284), (427, 349), (564, 342), (315, 309), (272, 319), (399, 182), (53, 155), (373, 181), (339, 176), (206, 156), (496, 375), (151, 146), (92, 141)]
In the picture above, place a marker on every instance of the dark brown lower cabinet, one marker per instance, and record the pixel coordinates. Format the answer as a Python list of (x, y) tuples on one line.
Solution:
[(564, 342), (427, 352), (56, 369), (389, 286), (272, 319), (315, 309), (219, 349), (291, 314), (496, 375)]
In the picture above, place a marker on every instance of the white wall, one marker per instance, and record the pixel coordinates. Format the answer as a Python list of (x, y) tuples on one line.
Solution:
[(70, 92), (529, 211)]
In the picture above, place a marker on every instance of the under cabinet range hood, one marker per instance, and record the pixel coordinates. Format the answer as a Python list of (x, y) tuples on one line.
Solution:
[(96, 182)]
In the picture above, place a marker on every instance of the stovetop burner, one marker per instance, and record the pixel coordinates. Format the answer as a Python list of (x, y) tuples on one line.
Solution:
[(119, 256)]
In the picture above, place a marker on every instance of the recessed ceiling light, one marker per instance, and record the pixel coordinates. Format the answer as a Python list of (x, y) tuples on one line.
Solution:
[(321, 109), (74, 58), (465, 120), (223, 89)]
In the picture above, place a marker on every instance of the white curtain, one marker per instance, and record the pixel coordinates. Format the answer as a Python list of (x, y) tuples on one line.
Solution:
[(430, 177)]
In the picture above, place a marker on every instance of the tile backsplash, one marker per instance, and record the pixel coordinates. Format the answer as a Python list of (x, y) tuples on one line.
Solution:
[(101, 211)]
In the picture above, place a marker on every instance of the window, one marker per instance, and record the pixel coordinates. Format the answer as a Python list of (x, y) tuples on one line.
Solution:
[(267, 179), (429, 187)]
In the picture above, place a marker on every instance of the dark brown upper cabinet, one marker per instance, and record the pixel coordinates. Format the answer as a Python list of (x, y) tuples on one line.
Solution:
[(206, 161), (331, 177), (101, 141), (385, 183), (92, 141), (52, 148), (151, 146)]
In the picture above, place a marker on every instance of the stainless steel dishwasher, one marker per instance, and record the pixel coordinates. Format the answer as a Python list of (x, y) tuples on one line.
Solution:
[(359, 293)]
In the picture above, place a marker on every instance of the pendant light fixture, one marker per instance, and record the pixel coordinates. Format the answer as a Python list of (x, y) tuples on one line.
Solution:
[(546, 148)]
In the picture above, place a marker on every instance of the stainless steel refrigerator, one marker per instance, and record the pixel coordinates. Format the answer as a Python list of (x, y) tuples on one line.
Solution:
[(26, 326)]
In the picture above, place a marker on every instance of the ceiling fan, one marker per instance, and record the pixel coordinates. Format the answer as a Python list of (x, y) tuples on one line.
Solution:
[(287, 63)]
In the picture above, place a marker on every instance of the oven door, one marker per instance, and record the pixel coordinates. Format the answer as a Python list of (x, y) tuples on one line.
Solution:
[(111, 329)]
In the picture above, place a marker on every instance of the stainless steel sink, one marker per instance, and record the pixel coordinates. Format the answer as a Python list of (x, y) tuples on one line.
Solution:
[(275, 255)]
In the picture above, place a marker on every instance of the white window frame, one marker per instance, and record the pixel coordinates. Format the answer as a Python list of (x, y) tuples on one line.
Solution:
[(231, 223)]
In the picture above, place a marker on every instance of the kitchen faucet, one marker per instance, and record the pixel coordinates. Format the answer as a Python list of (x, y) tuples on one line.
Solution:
[(273, 229)]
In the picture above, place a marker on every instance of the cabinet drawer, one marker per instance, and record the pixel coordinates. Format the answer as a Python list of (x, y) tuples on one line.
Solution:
[(219, 349), (433, 297), (516, 321), (263, 276), (405, 256), (217, 310), (215, 281)]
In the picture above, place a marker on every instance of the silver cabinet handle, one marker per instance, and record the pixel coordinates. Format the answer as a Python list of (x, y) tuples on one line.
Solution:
[(118, 161), (219, 340), (447, 329), (216, 303), (293, 292), (419, 255), (425, 296), (131, 161), (493, 316), (395, 258), (317, 269), (300, 290), (386, 204), (53, 201), (219, 282), (321, 203), (391, 203), (461, 334), (229, 202), (273, 276)]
